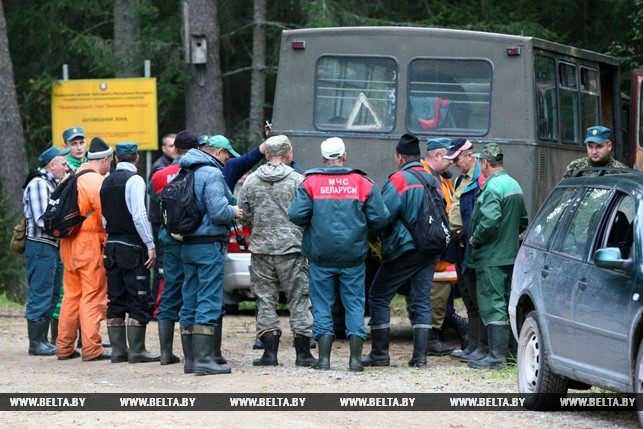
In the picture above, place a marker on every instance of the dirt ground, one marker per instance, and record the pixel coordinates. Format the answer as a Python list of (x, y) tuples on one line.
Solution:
[(21, 373)]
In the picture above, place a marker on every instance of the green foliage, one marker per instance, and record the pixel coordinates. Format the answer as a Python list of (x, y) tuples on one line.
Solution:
[(6, 302), (630, 49)]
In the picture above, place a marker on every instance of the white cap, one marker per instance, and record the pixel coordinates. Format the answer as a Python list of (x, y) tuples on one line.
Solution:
[(333, 148)]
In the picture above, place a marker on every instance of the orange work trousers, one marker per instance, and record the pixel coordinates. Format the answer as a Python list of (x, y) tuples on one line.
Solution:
[(85, 298)]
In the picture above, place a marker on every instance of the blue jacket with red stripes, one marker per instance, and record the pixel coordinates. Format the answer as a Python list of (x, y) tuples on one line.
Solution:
[(339, 209), (403, 195)]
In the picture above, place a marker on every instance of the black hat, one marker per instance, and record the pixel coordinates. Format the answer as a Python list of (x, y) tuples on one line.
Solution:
[(98, 149), (408, 145), (458, 146), (186, 140)]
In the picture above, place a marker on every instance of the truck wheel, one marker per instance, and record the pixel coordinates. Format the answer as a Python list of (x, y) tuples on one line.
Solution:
[(542, 389)]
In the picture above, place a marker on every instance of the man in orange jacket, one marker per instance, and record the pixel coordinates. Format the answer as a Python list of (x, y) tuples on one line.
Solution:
[(85, 283)]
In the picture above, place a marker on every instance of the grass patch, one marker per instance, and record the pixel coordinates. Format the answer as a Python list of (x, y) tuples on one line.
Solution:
[(6, 302), (398, 306), (509, 373)]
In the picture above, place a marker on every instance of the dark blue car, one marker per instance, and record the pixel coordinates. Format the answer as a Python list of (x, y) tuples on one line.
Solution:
[(576, 303)]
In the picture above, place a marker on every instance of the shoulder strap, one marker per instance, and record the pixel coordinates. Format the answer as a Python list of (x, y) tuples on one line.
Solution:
[(419, 177), (425, 184), (33, 175)]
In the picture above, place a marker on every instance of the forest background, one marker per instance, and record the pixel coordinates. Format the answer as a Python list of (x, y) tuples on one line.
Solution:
[(232, 94)]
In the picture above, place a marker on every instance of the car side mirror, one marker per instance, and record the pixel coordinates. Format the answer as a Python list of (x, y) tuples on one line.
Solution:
[(610, 258)]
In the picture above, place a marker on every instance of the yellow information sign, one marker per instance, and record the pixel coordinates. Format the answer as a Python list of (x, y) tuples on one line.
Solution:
[(116, 110)]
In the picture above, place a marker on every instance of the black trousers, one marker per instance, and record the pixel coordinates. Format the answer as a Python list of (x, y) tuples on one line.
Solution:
[(128, 282)]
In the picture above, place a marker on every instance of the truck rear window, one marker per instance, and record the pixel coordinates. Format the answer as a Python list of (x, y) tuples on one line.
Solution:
[(355, 93), (449, 96)]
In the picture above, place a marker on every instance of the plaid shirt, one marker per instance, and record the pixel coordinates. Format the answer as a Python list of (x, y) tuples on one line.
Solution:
[(34, 202)]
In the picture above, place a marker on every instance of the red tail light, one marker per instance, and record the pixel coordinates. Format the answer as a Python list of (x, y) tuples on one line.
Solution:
[(233, 245)]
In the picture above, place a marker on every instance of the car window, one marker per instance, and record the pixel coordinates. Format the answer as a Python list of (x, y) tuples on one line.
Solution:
[(584, 223), (545, 222), (619, 231)]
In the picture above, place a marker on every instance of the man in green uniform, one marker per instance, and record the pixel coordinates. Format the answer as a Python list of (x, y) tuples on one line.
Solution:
[(499, 216), (599, 147), (74, 140)]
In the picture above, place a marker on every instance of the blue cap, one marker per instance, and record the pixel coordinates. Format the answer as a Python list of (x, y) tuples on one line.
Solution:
[(126, 148), (72, 132), (598, 134), (441, 143), (46, 157)]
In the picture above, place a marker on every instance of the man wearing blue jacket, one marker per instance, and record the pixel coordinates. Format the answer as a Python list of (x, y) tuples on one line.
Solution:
[(403, 195), (203, 255), (339, 209)]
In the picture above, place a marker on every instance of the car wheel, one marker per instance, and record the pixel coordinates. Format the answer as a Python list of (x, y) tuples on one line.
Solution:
[(638, 383), (539, 385)]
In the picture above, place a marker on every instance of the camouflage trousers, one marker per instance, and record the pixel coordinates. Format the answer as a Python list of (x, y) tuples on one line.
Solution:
[(270, 274)]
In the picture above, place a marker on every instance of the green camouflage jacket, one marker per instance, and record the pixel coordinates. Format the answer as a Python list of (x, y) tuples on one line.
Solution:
[(264, 198), (586, 162)]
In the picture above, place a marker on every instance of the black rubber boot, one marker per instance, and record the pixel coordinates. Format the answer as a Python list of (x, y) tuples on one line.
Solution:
[(437, 347), (460, 326), (483, 344), (118, 339), (137, 352), (188, 350), (216, 351), (498, 342), (356, 344), (270, 342), (420, 345), (378, 356), (38, 344), (302, 348), (203, 343), (325, 346), (53, 329), (472, 339), (166, 342)]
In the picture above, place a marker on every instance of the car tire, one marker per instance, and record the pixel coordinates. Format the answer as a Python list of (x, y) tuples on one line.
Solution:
[(638, 383), (540, 387)]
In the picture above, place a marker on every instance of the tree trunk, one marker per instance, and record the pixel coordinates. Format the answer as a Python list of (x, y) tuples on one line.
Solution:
[(258, 83), (204, 92), (12, 146), (127, 33)]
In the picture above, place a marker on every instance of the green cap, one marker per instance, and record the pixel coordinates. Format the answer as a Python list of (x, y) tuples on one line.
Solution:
[(126, 148), (491, 152), (439, 143), (220, 142)]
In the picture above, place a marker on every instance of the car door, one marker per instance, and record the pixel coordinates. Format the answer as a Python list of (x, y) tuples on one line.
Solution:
[(543, 269), (604, 301), (567, 265)]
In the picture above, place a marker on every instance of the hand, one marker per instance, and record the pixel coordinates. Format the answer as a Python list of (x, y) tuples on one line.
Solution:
[(267, 129), (151, 259), (238, 212)]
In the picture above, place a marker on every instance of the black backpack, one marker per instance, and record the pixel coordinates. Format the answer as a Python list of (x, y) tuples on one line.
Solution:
[(62, 217), (179, 211), (431, 233)]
